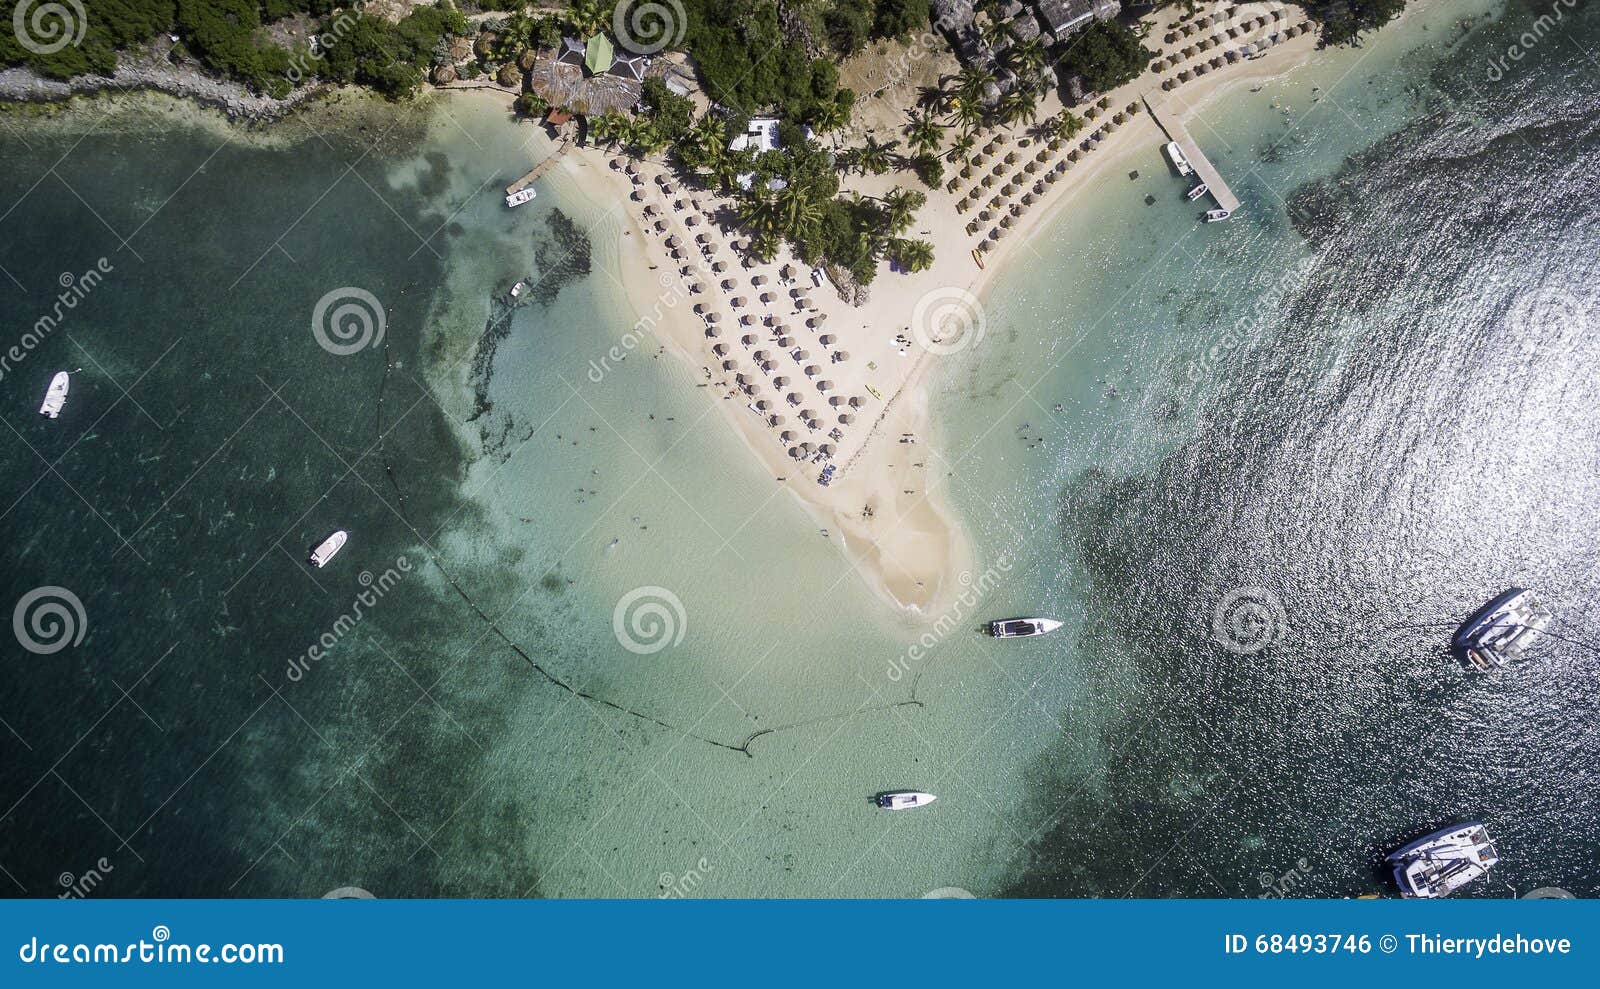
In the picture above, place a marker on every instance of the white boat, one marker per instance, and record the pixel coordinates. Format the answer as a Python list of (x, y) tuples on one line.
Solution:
[(903, 799), (1198, 191), (517, 289), (1179, 160), (1217, 215), (328, 548), (1013, 628), (56, 396), (520, 196), (1440, 863), (1502, 630)]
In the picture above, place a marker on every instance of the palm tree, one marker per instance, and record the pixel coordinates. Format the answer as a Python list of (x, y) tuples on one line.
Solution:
[(925, 133), (900, 207), (912, 255), (876, 157), (961, 147), (608, 127), (1026, 58), (1019, 104), (800, 212), (935, 99), (830, 116), (1070, 125), (586, 17)]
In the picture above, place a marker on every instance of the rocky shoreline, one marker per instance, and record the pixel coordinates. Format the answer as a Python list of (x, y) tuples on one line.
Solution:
[(153, 72)]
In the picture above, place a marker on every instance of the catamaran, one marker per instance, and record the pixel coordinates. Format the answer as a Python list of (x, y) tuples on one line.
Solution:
[(56, 396), (1180, 161), (1502, 630), (520, 196), (903, 799), (328, 549), (1012, 628), (1438, 864)]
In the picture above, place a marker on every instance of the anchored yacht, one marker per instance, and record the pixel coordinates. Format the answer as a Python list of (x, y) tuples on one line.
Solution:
[(1502, 630), (1438, 864), (1180, 161), (903, 799), (521, 196), (56, 396)]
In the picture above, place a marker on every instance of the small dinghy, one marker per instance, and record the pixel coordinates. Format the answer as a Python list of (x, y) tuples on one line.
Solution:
[(521, 196), (328, 549), (56, 396), (903, 799)]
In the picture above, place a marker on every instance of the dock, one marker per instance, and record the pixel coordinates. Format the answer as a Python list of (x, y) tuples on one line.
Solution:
[(538, 171), (1168, 121)]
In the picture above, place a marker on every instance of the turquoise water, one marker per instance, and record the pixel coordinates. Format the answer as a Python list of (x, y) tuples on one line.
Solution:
[(481, 728)]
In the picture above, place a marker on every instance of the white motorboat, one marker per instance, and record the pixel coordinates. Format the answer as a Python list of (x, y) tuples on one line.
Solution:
[(903, 799), (1180, 161), (1217, 215), (1438, 864), (56, 396), (1013, 628), (328, 549), (1198, 191), (521, 196)]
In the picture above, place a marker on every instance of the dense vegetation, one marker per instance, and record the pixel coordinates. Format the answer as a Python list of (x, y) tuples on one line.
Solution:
[(1343, 20), (226, 37), (1106, 54)]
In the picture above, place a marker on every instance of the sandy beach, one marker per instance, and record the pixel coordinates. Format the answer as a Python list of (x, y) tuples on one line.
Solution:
[(808, 380)]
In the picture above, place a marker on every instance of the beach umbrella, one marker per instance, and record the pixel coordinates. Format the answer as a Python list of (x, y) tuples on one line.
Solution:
[(712, 332), (636, 196), (811, 370), (785, 342), (631, 168), (804, 302), (787, 271), (719, 266), (795, 453), (691, 220), (661, 180), (699, 309), (762, 355), (738, 300), (1028, 198), (846, 418), (808, 448), (825, 385), (766, 298), (741, 379), (669, 189), (721, 350), (727, 284), (759, 280), (792, 398), (674, 241), (1006, 221), (729, 365), (651, 211), (800, 355), (786, 436), (780, 382), (747, 320), (840, 356), (777, 419), (999, 231), (748, 340), (1167, 84), (817, 320), (702, 238), (1054, 174), (696, 288), (827, 339), (826, 449), (856, 401), (985, 215), (713, 317), (972, 227), (836, 400), (767, 366)]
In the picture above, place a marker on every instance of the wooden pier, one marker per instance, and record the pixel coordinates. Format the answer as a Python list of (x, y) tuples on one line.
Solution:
[(538, 171), (1168, 121)]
